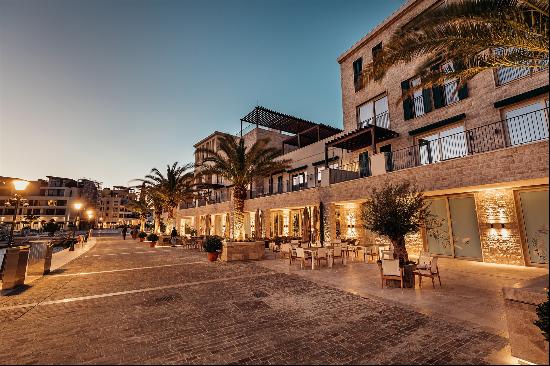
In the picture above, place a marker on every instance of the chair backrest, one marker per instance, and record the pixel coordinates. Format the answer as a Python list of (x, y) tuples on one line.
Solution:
[(424, 260), (390, 267), (336, 241), (300, 253), (322, 253), (337, 251), (285, 247), (294, 241), (433, 267)]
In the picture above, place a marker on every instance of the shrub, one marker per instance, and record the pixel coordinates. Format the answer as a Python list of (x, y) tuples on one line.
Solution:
[(142, 234), (543, 321), (51, 227), (212, 244), (152, 237)]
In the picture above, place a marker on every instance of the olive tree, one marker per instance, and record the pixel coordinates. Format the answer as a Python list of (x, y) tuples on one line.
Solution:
[(396, 210)]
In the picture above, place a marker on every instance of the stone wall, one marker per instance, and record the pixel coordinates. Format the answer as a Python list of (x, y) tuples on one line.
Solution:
[(499, 245)]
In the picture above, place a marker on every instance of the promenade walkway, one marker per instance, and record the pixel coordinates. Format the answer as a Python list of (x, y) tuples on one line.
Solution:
[(123, 302)]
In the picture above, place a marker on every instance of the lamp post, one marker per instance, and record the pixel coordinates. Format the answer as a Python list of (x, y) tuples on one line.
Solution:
[(19, 186), (77, 207), (90, 214)]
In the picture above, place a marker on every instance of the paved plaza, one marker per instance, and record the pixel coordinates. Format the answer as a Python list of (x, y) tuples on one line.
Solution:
[(123, 302)]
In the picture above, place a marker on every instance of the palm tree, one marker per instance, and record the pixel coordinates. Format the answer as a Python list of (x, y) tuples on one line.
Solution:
[(241, 166), (166, 191), (140, 206), (475, 35)]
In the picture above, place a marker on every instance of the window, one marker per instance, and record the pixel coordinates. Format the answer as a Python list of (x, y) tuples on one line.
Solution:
[(298, 180), (374, 112), (280, 184), (376, 51), (425, 100), (527, 123), (505, 75), (357, 74), (443, 145)]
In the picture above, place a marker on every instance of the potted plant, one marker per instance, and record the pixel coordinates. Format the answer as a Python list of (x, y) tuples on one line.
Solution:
[(142, 235), (212, 245), (153, 238)]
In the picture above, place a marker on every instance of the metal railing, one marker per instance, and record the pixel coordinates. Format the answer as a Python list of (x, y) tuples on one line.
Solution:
[(380, 120), (514, 131)]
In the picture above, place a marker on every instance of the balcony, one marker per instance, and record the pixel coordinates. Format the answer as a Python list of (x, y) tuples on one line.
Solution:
[(515, 131)]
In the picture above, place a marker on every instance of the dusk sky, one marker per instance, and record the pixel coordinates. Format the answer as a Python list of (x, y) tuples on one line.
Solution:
[(109, 89)]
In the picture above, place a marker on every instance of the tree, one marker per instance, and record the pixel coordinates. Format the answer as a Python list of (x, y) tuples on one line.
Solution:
[(396, 210), (241, 166), (51, 227), (166, 191), (140, 206), (476, 35)]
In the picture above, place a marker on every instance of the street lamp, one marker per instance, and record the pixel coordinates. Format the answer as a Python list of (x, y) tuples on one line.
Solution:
[(77, 207), (90, 214), (19, 186)]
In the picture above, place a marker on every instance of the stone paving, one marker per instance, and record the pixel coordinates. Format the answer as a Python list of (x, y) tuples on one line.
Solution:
[(123, 302)]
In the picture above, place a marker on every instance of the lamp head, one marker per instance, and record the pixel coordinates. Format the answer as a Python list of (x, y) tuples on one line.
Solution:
[(78, 205)]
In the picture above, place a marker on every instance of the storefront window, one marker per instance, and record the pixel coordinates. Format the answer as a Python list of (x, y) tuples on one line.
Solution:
[(534, 207)]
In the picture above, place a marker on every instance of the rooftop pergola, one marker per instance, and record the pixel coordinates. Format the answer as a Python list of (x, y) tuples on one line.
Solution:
[(305, 132)]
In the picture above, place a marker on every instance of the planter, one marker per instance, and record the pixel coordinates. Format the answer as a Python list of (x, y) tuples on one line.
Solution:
[(15, 267), (152, 244), (212, 256), (40, 259), (242, 251), (526, 339)]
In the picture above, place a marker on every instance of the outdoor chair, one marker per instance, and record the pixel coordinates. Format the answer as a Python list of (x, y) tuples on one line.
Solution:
[(286, 250), (424, 261), (321, 255), (338, 253), (371, 253), (432, 272), (302, 256), (390, 270)]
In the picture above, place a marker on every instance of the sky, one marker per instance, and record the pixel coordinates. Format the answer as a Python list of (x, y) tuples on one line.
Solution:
[(108, 89)]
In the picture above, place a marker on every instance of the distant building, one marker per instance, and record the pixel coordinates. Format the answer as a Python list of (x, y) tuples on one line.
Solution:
[(47, 199), (112, 207)]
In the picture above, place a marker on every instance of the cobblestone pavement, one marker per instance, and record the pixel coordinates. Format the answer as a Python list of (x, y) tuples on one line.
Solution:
[(123, 302)]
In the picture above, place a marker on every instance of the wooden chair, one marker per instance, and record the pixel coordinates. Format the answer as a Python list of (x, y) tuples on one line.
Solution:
[(371, 253), (321, 255), (338, 253), (390, 270), (432, 272), (302, 256), (424, 260), (285, 251)]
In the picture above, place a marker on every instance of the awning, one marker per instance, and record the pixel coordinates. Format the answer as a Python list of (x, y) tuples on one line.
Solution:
[(361, 138), (261, 116)]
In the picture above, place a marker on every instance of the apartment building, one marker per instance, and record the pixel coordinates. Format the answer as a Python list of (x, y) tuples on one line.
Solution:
[(47, 199), (113, 210), (479, 153)]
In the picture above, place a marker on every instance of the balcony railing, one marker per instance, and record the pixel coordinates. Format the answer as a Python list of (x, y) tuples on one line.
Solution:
[(380, 120), (518, 130)]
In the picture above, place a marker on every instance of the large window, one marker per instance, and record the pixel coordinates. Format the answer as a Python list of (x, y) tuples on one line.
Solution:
[(443, 145), (298, 181), (374, 112), (527, 123), (534, 209)]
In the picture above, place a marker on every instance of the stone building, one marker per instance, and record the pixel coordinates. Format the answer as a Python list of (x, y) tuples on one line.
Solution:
[(112, 207), (47, 199), (480, 153)]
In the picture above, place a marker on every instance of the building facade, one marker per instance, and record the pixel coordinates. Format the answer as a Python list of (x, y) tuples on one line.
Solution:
[(48, 199), (480, 153), (113, 210)]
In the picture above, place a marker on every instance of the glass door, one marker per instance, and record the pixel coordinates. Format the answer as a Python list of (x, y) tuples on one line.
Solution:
[(457, 233), (534, 215), (465, 227)]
